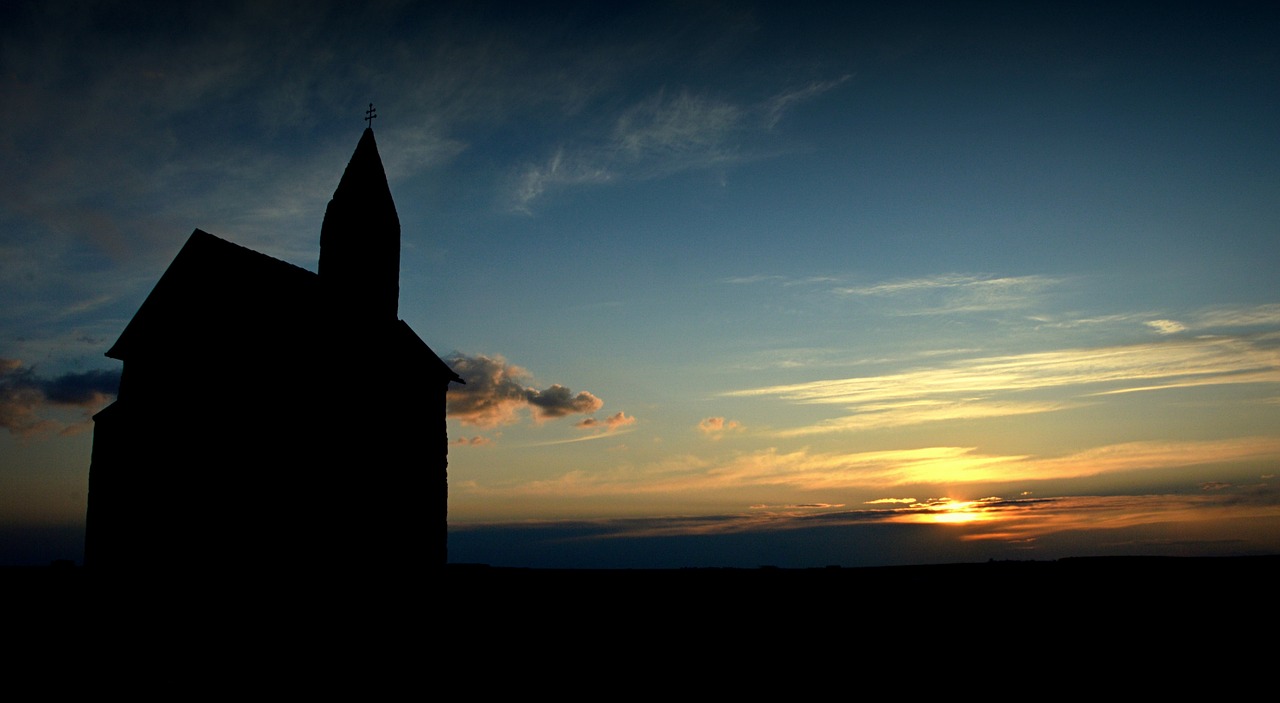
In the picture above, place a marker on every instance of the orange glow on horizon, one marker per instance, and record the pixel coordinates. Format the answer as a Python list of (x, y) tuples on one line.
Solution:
[(949, 512)]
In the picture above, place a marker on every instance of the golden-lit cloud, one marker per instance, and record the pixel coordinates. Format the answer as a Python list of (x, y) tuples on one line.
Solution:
[(1029, 521), (716, 427), (881, 415), (495, 391), (884, 471), (1245, 517), (609, 424), (1132, 456), (981, 387), (1166, 326), (798, 506)]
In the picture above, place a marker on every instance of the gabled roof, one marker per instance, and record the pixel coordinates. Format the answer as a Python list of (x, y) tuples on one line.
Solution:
[(213, 287)]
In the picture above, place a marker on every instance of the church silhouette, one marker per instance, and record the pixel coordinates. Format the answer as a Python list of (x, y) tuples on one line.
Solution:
[(273, 417)]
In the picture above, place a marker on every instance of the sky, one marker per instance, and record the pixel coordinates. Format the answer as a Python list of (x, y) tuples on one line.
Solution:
[(730, 283)]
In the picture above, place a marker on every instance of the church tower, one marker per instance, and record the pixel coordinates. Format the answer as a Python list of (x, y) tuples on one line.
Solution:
[(360, 241)]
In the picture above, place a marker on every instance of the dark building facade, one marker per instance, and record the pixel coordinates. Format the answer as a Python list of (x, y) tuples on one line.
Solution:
[(271, 416)]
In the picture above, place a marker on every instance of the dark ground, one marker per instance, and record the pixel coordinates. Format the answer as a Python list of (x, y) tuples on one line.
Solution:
[(1101, 585), (1081, 622), (1149, 586)]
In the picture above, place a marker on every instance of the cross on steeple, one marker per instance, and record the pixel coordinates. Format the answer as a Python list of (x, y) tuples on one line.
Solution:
[(370, 115)]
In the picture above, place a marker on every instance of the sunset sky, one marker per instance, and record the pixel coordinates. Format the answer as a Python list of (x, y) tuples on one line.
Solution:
[(730, 283)]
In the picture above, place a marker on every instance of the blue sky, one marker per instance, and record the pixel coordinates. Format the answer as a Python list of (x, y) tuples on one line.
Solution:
[(732, 283)]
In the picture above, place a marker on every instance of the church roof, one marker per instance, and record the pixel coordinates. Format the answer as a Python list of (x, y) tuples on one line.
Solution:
[(214, 284), (222, 300)]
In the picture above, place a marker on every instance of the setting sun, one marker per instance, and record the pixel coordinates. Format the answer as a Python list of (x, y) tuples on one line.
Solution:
[(948, 512)]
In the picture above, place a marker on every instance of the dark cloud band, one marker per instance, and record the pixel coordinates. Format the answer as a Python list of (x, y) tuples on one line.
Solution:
[(23, 394)]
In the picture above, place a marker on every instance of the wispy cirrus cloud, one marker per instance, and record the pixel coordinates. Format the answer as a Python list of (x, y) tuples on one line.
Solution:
[(1251, 316), (1216, 320), (1219, 319), (776, 107), (882, 415), (945, 468), (667, 131), (660, 135), (983, 387), (664, 133), (559, 171), (954, 293), (942, 294)]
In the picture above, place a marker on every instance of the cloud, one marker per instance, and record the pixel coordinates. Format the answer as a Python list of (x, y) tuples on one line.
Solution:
[(23, 395), (559, 401), (671, 130), (1256, 316), (953, 293), (757, 278), (1166, 326), (886, 472), (496, 390), (655, 137), (560, 170), (798, 506), (992, 528), (665, 133), (477, 441), (972, 388), (883, 415), (716, 427), (777, 106), (611, 423), (1030, 520)]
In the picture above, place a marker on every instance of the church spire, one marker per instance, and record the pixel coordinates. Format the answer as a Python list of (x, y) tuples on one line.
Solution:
[(360, 239)]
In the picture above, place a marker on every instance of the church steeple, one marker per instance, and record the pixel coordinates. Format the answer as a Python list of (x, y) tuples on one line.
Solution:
[(360, 240)]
